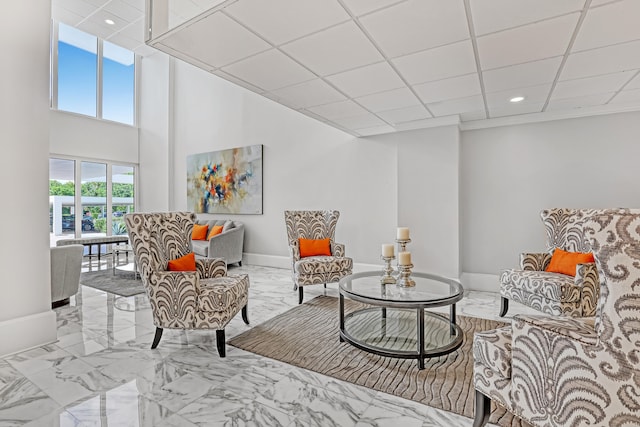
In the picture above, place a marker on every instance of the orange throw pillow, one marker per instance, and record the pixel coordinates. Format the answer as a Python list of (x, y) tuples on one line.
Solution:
[(217, 229), (566, 262), (311, 247), (185, 263), (199, 232)]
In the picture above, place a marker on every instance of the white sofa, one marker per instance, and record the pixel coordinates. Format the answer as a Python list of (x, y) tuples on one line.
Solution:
[(66, 262), (227, 245)]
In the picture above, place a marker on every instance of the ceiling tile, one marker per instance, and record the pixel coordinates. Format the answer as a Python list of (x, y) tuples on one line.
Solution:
[(438, 63), (138, 4), (627, 97), (541, 40), (217, 30), (532, 94), (604, 60), (473, 115), (389, 100), (591, 85), (334, 50), (135, 30), (66, 17), (515, 109), (595, 3), (280, 21), (597, 29), (416, 25), (97, 3), (123, 10), (457, 87), (366, 80), (402, 115), (184, 9), (337, 110), (521, 75), (100, 16), (270, 70), (635, 83), (95, 29), (358, 122), (495, 15), (579, 102), (124, 41), (456, 106), (309, 94), (78, 7), (360, 7)]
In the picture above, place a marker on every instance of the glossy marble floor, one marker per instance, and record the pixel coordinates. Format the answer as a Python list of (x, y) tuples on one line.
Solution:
[(101, 371)]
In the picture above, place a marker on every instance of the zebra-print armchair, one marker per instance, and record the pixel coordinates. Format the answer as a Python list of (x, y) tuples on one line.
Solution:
[(314, 270), (563, 371), (203, 299), (554, 293)]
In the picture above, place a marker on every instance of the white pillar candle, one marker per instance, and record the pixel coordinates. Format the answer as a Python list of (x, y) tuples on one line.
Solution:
[(387, 250), (403, 233), (404, 258)]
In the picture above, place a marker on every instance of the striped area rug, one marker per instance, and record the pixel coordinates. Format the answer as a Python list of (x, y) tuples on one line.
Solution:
[(307, 336)]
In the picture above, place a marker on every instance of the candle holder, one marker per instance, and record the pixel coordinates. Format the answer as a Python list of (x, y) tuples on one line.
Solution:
[(404, 280), (387, 278), (402, 247)]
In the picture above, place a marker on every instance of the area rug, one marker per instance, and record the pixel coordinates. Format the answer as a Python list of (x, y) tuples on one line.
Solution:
[(121, 283), (307, 336)]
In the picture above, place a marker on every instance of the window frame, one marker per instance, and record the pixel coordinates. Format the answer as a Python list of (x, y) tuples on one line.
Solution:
[(53, 84)]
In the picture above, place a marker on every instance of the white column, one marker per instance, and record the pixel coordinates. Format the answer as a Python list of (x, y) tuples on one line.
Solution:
[(26, 318), (428, 197), (57, 215)]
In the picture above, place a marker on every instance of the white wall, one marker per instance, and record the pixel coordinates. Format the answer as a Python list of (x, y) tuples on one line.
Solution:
[(509, 174), (87, 137), (427, 196), (306, 164), (154, 115), (26, 319)]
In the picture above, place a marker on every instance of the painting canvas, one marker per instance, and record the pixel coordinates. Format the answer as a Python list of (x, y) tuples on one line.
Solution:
[(227, 181)]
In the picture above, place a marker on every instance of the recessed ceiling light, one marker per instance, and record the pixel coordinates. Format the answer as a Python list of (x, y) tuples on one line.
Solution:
[(517, 99), (109, 21)]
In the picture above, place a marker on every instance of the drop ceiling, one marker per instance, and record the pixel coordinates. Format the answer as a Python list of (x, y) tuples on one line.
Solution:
[(377, 66)]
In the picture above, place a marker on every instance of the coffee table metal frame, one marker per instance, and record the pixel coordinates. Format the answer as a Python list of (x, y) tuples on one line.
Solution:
[(419, 305)]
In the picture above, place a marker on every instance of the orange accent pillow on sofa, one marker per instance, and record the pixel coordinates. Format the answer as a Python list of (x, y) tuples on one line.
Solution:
[(312, 247), (184, 263), (566, 262), (199, 232), (217, 229)]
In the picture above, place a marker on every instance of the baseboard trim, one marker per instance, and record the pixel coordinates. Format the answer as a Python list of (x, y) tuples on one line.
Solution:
[(480, 282), (27, 332)]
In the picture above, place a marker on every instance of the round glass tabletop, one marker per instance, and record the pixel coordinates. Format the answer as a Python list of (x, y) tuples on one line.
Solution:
[(430, 290)]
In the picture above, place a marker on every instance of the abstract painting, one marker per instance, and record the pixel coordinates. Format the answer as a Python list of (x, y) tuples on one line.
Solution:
[(226, 182)]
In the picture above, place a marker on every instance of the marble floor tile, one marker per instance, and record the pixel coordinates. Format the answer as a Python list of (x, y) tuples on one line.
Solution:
[(102, 372)]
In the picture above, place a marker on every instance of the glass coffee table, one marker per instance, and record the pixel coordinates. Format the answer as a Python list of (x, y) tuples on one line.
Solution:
[(396, 323)]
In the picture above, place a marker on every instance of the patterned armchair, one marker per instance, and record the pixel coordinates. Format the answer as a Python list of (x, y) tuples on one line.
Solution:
[(203, 299), (573, 371), (315, 270), (554, 293)]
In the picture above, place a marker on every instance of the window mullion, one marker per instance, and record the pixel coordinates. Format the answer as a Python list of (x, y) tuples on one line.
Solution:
[(99, 80), (54, 65)]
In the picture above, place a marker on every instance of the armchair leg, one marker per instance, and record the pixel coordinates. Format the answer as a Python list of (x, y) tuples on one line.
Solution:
[(239, 263), (504, 306), (295, 287), (325, 286), (483, 410), (156, 338), (245, 314), (300, 294), (220, 343)]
